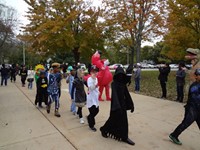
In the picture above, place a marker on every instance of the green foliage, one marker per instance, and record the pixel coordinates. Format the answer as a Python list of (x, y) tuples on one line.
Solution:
[(183, 27), (70, 26)]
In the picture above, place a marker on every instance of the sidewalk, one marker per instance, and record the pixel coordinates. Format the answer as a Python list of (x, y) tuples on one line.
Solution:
[(24, 127)]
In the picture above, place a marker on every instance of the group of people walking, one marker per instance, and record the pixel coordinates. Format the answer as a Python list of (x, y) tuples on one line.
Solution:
[(48, 86)]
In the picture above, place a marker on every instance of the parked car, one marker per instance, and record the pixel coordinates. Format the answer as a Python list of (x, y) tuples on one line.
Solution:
[(173, 66), (114, 66)]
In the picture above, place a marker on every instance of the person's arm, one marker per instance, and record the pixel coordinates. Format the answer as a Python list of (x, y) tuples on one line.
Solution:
[(72, 91)]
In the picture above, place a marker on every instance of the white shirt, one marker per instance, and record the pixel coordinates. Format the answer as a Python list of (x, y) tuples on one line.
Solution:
[(31, 73), (93, 92)]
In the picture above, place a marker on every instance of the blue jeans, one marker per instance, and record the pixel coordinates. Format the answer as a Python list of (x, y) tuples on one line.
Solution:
[(30, 85), (4, 79), (137, 84), (73, 107)]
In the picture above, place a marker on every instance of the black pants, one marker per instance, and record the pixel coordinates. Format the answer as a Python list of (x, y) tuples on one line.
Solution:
[(164, 89), (91, 117), (180, 94), (13, 77), (23, 79), (79, 112), (191, 115)]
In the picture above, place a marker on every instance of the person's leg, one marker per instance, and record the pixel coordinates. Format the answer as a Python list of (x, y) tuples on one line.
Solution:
[(6, 78), (178, 93), (57, 105), (181, 93), (163, 86), (107, 87), (91, 117), (2, 80), (100, 92), (189, 118)]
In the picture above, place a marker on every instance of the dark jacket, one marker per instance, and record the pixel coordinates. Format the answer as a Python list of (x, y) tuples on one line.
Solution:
[(180, 77), (164, 72), (80, 95), (194, 96), (4, 71), (120, 98)]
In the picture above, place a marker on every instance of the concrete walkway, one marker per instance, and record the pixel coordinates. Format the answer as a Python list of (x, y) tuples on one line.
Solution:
[(25, 127)]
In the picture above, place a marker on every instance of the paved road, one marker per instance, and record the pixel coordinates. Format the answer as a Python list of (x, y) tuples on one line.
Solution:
[(24, 127)]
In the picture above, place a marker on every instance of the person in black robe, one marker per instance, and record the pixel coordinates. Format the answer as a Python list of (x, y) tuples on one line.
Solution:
[(117, 124)]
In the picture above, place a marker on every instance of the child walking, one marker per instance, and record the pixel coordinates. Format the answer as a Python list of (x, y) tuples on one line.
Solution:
[(70, 80), (42, 84), (92, 98), (53, 89), (80, 95)]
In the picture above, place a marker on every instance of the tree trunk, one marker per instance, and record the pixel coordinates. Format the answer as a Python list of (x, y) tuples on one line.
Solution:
[(76, 54)]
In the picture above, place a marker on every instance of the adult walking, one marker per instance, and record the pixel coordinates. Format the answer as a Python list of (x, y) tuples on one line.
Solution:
[(164, 70), (117, 124), (180, 81), (192, 109), (4, 75), (13, 73)]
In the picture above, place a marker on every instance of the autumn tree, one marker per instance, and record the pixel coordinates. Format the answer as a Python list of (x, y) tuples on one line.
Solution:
[(138, 20), (183, 27), (7, 24), (63, 25)]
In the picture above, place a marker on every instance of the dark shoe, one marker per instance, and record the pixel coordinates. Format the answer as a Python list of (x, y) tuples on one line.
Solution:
[(174, 140), (129, 141), (48, 108), (57, 114), (40, 106), (93, 129), (103, 133)]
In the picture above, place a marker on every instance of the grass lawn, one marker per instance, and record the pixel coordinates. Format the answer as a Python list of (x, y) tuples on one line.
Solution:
[(150, 85)]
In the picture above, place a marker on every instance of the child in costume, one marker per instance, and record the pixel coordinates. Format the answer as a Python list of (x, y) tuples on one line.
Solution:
[(42, 84), (53, 89), (79, 96), (117, 124), (92, 97)]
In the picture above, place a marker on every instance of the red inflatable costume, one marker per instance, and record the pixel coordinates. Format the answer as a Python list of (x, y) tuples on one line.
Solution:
[(104, 75)]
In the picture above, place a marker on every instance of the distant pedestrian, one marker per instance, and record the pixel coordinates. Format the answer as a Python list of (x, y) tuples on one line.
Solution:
[(137, 77), (117, 124), (13, 73), (164, 70), (80, 95), (70, 80), (42, 84), (53, 89), (30, 77), (192, 109), (92, 97), (180, 81), (23, 74), (4, 75)]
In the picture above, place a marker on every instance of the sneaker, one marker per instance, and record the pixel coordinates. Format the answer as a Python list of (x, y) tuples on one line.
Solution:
[(174, 140), (93, 129), (48, 108), (81, 121), (57, 114)]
